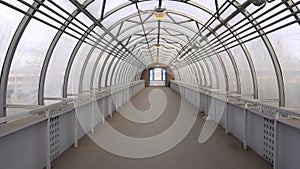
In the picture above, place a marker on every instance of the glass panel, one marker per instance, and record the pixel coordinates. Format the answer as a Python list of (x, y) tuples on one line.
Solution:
[(208, 82), (181, 75), (99, 66), (73, 85), (213, 83), (237, 20), (244, 70), (176, 75), (230, 72), (131, 73), (57, 66), (114, 76), (228, 11), (192, 25), (113, 4), (126, 73), (220, 71), (188, 9), (185, 72), (84, 19), (66, 5), (122, 73), (286, 43), (114, 17), (88, 71), (20, 5), (26, 66), (8, 27), (191, 75), (209, 4), (95, 8), (147, 5), (103, 76), (49, 20), (201, 75), (53, 7), (109, 73), (267, 83)]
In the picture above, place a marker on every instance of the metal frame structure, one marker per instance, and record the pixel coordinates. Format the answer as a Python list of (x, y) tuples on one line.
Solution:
[(129, 48)]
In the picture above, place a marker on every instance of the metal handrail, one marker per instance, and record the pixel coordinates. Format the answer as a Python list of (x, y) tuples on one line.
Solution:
[(283, 111), (79, 100)]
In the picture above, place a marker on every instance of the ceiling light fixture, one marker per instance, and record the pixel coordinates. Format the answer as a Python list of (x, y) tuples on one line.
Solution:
[(159, 13), (157, 46)]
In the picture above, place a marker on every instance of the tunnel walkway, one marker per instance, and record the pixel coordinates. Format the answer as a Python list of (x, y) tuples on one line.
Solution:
[(219, 152)]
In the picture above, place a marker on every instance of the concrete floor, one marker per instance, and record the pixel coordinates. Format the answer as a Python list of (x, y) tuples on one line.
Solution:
[(219, 152)]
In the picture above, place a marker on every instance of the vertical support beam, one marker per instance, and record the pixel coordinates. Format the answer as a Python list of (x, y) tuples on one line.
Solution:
[(215, 108), (148, 77), (276, 140), (245, 126), (75, 129), (153, 74), (166, 78), (226, 115), (102, 10), (110, 106), (205, 102), (48, 156), (94, 102)]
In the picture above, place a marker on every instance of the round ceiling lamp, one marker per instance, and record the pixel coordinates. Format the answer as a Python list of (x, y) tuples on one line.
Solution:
[(159, 13)]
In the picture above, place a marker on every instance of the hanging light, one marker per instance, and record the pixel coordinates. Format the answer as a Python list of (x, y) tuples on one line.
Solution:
[(159, 13), (157, 46)]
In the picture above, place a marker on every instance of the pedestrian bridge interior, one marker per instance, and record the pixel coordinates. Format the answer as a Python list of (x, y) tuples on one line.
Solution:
[(212, 84)]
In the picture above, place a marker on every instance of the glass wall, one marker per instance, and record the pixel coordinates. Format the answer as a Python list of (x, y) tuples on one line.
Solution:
[(27, 63)]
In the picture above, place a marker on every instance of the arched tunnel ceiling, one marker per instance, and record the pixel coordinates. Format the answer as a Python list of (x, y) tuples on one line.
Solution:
[(234, 45)]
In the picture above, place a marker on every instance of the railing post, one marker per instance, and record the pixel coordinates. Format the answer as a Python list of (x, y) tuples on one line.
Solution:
[(226, 115), (276, 134), (215, 107), (48, 156), (93, 112), (245, 125), (109, 106), (75, 129)]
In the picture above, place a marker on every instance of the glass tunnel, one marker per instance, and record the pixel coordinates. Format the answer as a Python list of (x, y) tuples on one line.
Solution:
[(243, 53)]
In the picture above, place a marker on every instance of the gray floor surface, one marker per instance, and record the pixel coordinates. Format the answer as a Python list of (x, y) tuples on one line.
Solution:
[(219, 152)]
